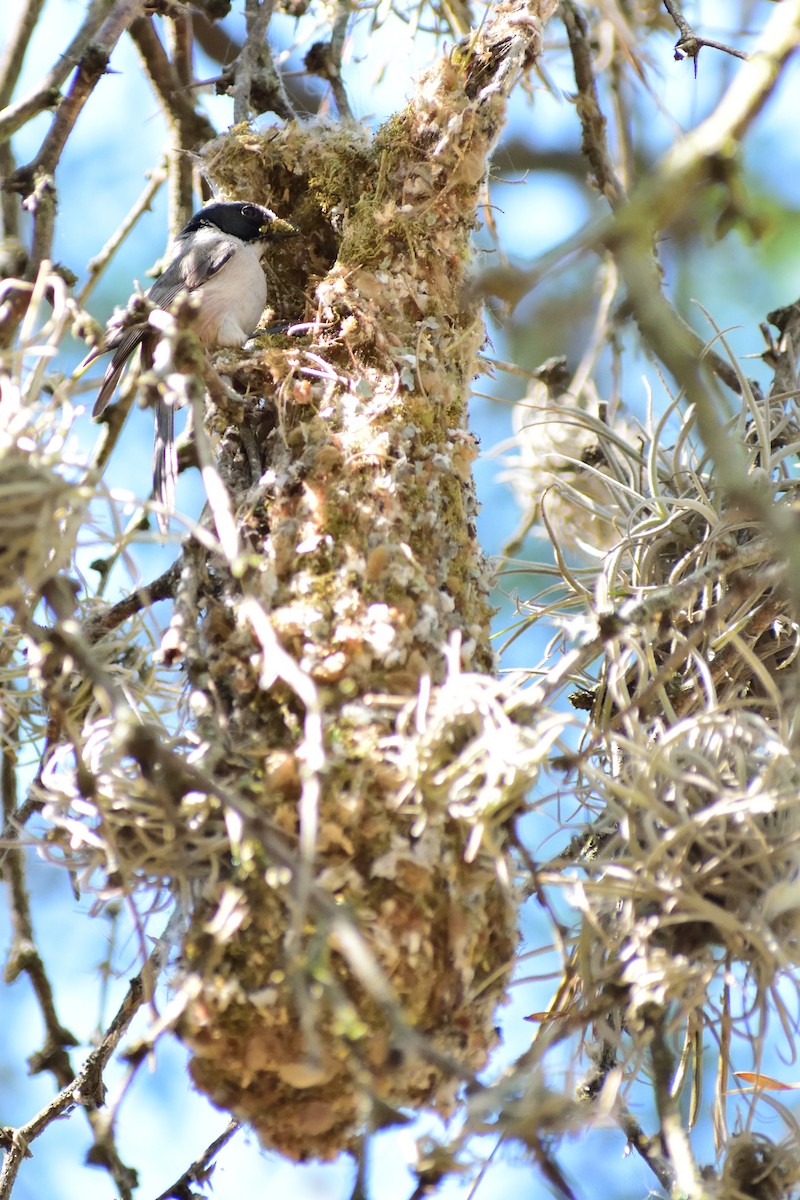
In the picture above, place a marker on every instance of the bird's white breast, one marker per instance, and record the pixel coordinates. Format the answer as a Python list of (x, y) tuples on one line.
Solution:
[(233, 300)]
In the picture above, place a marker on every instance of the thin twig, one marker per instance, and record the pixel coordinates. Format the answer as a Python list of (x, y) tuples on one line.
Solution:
[(16, 47), (201, 1168), (35, 181), (593, 123), (24, 955), (9, 205), (98, 264), (683, 26), (47, 95), (647, 1148), (673, 1135), (86, 1088), (291, 94), (174, 97), (91, 69), (343, 14), (689, 44), (162, 588)]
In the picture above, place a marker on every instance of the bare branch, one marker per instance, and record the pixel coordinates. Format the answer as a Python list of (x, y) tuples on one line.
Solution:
[(689, 44), (48, 94), (647, 1147), (98, 264), (258, 14), (593, 123), (325, 58), (86, 1088), (16, 47), (181, 167), (201, 1168), (190, 126), (162, 588), (253, 79), (92, 66)]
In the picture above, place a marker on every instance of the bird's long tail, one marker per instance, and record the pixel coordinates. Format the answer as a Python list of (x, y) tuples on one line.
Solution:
[(123, 343), (165, 463)]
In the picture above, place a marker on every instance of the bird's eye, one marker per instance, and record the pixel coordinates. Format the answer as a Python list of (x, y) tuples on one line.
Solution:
[(248, 210)]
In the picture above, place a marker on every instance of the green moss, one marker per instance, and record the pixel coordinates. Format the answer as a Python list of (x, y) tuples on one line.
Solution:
[(340, 173)]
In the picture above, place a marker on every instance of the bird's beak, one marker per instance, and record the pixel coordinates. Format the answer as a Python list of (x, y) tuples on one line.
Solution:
[(276, 229)]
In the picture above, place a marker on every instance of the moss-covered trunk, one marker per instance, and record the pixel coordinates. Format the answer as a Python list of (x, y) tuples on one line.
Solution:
[(341, 666)]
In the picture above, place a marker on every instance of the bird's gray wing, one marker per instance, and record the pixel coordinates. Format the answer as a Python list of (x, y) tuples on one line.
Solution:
[(125, 345), (124, 339), (187, 273), (198, 265), (191, 272)]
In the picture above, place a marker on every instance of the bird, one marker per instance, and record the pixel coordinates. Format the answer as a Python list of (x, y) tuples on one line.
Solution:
[(217, 259)]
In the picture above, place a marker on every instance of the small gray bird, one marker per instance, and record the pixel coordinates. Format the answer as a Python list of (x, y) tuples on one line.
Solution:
[(217, 259)]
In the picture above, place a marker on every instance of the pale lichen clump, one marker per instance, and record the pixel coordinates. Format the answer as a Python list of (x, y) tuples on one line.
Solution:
[(40, 506), (560, 476), (30, 490), (684, 649)]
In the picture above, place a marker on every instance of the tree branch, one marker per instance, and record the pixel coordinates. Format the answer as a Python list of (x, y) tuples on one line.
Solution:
[(92, 65), (48, 94), (689, 44)]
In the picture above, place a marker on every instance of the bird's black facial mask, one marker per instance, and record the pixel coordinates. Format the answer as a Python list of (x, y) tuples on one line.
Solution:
[(248, 222)]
